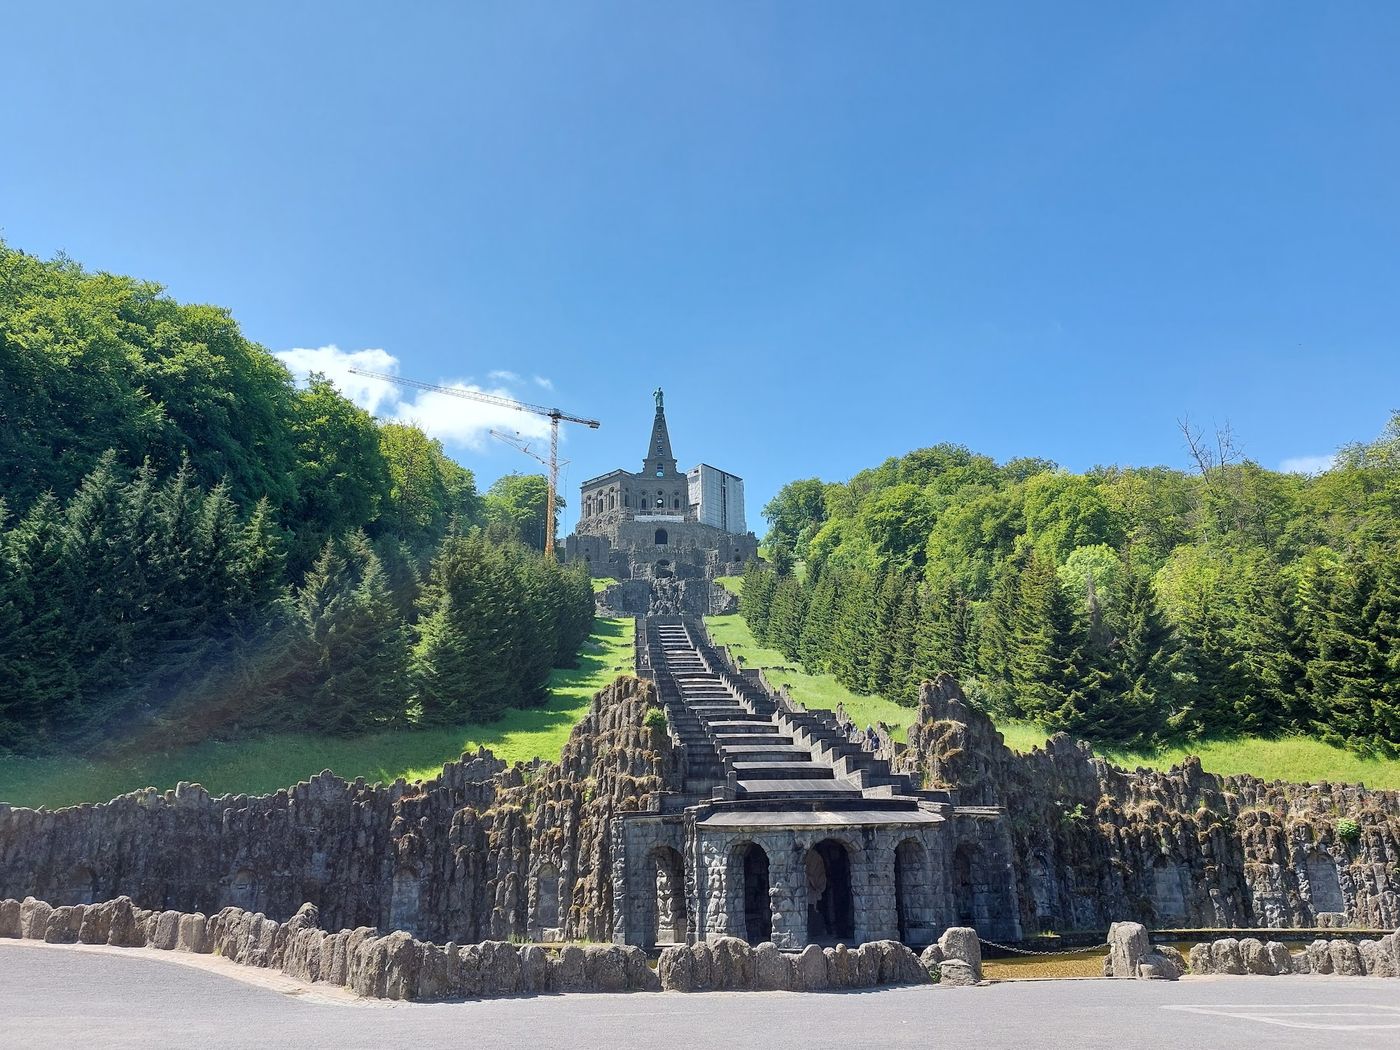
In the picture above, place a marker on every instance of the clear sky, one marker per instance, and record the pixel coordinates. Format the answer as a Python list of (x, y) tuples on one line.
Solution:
[(832, 232)]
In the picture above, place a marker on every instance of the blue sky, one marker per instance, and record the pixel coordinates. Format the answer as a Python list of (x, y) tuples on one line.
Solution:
[(832, 232)]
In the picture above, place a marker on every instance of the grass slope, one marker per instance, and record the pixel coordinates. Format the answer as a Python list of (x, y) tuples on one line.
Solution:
[(266, 763), (1285, 758)]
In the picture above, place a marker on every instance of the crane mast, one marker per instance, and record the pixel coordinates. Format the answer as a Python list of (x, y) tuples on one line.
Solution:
[(554, 416)]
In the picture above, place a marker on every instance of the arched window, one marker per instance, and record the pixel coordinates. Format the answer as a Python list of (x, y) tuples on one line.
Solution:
[(661, 537)]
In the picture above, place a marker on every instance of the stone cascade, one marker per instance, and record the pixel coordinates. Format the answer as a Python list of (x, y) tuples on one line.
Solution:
[(748, 746)]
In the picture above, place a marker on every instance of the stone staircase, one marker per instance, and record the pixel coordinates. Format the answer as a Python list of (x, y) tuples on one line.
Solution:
[(751, 749)]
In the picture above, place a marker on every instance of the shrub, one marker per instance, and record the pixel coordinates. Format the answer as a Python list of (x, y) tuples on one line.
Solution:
[(1348, 830), (655, 720)]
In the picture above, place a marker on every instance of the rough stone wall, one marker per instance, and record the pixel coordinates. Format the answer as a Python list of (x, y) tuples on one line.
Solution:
[(456, 857), (1094, 843)]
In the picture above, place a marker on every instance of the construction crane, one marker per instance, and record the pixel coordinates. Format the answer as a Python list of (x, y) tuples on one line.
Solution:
[(554, 415), (518, 442)]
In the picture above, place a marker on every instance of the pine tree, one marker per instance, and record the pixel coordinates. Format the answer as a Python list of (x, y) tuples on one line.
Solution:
[(354, 642), (1146, 653), (1269, 640), (36, 650), (760, 583), (819, 630), (463, 666)]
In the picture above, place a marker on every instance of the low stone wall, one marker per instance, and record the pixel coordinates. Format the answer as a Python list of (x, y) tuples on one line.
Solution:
[(368, 963), (397, 966), (730, 964), (1343, 958)]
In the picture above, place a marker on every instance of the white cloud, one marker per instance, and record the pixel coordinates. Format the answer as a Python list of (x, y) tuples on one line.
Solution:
[(541, 381), (335, 364), (1308, 464), (459, 421), (453, 420)]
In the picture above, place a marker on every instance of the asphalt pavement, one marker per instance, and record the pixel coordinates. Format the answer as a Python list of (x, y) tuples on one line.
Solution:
[(63, 997)]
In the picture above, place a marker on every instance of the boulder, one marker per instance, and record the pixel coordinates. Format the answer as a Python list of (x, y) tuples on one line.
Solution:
[(536, 971), (403, 961), (123, 930), (1346, 958), (167, 931), (9, 919), (64, 924), (1127, 945), (1200, 959), (731, 964), (896, 964), (605, 967), (1319, 959), (301, 960), (675, 968), (930, 958), (570, 972), (956, 973), (192, 934), (838, 966), (308, 917), (500, 968), (810, 970), (865, 966), (1376, 957), (1256, 960), (1280, 959), (1162, 963), (961, 942), (1225, 956), (640, 976), (34, 919), (97, 923), (1301, 962), (771, 970)]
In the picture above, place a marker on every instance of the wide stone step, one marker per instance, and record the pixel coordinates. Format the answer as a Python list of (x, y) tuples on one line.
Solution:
[(772, 788), (782, 771)]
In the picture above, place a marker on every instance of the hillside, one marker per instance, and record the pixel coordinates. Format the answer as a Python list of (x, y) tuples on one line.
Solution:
[(1292, 758), (1140, 608), (193, 547)]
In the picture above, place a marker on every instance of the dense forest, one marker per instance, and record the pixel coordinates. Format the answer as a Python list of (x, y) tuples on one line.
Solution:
[(191, 542), (1125, 605)]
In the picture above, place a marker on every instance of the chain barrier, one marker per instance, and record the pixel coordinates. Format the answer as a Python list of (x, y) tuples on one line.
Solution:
[(1029, 951)]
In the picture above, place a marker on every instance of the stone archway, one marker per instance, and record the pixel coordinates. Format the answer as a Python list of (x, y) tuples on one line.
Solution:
[(661, 537), (913, 899), (751, 909), (831, 910)]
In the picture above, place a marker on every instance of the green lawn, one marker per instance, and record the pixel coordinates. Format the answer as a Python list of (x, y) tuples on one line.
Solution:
[(1287, 758), (732, 584), (809, 690), (601, 583), (267, 763)]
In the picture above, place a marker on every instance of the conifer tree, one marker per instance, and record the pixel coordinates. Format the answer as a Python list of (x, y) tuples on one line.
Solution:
[(819, 628)]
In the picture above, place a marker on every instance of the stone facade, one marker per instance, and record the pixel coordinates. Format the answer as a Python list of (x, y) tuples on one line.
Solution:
[(1091, 843), (627, 839)]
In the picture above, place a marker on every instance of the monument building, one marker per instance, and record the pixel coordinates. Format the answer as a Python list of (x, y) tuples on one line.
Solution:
[(662, 533)]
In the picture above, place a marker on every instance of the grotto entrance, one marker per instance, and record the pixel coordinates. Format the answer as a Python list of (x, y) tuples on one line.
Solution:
[(758, 915), (911, 892), (831, 911)]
